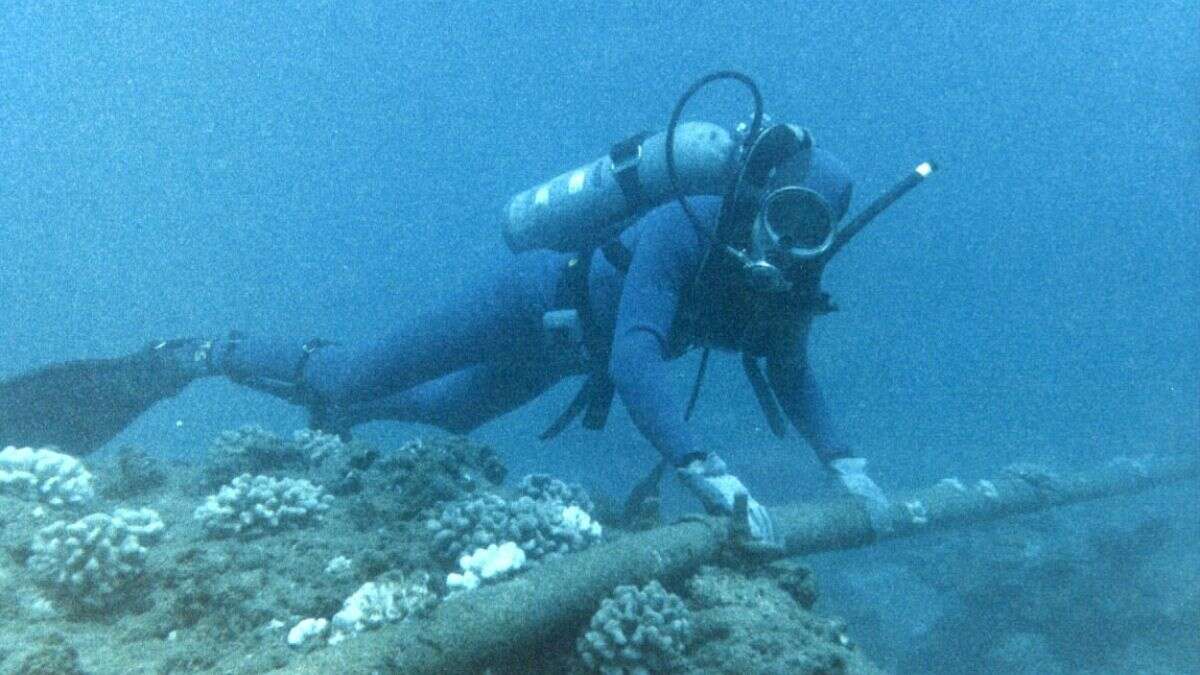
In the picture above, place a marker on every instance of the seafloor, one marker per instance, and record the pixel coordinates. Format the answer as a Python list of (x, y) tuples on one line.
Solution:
[(203, 601)]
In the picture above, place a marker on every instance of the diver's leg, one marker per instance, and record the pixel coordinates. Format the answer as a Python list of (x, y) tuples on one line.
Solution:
[(459, 402), (498, 319)]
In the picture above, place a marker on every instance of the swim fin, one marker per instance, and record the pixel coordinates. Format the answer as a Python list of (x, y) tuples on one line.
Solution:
[(79, 406)]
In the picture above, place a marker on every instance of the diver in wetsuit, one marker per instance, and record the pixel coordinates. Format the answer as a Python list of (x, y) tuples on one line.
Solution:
[(739, 272), (488, 352)]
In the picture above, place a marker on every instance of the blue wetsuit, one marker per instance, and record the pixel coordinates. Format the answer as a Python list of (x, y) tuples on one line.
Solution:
[(485, 354)]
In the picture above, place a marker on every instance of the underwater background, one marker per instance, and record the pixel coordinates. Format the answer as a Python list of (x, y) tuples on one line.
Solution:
[(312, 169)]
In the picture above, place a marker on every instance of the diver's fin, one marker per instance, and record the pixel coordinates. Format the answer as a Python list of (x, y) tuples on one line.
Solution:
[(80, 405)]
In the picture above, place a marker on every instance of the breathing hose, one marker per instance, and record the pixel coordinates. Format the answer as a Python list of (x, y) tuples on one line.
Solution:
[(755, 127)]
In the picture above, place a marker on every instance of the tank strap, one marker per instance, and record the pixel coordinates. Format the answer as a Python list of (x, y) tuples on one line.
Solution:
[(594, 399), (764, 394), (568, 415), (625, 157), (617, 254)]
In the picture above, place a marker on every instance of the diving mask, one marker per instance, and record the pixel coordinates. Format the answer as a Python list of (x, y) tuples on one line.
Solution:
[(793, 226)]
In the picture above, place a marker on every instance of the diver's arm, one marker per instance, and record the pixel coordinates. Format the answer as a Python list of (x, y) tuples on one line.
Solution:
[(639, 373), (664, 261), (800, 396)]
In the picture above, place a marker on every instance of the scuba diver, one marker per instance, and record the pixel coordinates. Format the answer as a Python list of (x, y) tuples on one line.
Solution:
[(697, 237)]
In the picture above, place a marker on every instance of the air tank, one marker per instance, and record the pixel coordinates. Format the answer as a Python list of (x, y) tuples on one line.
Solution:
[(585, 206)]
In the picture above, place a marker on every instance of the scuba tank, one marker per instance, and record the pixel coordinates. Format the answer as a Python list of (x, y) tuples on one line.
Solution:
[(586, 206)]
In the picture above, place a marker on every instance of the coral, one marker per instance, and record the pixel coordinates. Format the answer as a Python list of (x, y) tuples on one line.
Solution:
[(306, 632), (95, 560), (143, 523), (486, 563), (341, 566), (137, 473), (751, 625), (540, 528), (44, 475), (580, 523), (225, 590), (259, 504), (383, 601), (425, 472), (250, 449), (55, 656), (340, 467), (316, 446), (637, 630), (392, 597), (544, 487), (796, 579)]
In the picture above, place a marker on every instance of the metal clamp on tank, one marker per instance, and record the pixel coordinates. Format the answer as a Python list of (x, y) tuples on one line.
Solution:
[(625, 158)]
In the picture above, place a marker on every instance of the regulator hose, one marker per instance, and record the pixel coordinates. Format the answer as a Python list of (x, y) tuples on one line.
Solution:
[(755, 127)]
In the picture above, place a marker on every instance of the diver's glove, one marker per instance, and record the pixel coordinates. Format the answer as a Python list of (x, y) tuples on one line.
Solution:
[(851, 472), (717, 489)]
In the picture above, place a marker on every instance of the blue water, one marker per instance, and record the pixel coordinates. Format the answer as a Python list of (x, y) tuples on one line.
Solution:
[(318, 168)]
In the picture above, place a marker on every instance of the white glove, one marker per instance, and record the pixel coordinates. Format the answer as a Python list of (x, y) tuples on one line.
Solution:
[(851, 472), (716, 488)]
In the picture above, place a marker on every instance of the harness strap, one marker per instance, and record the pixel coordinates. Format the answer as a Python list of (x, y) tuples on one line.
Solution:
[(625, 157), (617, 254), (568, 415), (766, 397), (594, 398), (599, 386), (600, 401), (701, 371)]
